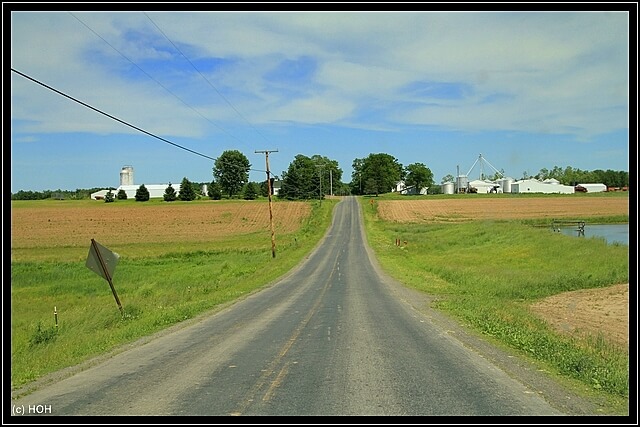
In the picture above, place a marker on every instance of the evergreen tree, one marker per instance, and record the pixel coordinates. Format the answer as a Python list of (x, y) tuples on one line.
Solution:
[(108, 198), (142, 194), (122, 195), (250, 191), (214, 191), (170, 194), (187, 193)]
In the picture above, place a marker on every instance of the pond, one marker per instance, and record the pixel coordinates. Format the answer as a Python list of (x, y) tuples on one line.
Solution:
[(612, 233)]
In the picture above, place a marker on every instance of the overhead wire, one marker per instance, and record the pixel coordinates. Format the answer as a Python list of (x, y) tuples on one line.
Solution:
[(151, 77), (204, 77), (116, 118), (295, 190)]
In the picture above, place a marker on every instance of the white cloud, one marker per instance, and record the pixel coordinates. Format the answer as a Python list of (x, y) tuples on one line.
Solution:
[(557, 72)]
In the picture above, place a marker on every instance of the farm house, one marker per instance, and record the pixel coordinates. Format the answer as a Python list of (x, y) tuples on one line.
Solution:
[(402, 188), (535, 186)]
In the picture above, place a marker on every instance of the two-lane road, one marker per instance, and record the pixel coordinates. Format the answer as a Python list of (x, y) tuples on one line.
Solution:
[(333, 337)]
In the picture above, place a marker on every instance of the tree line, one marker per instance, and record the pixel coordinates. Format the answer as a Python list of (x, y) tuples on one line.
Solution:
[(317, 176)]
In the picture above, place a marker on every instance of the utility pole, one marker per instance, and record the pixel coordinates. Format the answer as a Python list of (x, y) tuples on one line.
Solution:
[(273, 233), (320, 168), (331, 181)]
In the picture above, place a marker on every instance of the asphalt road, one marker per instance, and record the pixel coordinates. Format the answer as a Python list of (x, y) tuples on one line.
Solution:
[(333, 337)]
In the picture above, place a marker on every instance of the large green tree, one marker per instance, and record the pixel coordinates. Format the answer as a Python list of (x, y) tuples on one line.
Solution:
[(381, 172), (419, 176), (300, 181), (231, 171), (356, 177), (330, 174)]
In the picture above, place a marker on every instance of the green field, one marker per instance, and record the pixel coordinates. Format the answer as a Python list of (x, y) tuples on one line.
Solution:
[(158, 284), (487, 273)]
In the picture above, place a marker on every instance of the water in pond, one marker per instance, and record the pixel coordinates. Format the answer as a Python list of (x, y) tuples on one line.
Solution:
[(612, 233)]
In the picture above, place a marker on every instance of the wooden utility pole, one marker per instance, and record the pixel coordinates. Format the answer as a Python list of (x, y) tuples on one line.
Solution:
[(320, 170), (273, 233)]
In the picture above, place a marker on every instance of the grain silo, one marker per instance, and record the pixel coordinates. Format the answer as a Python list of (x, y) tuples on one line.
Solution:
[(462, 182), (126, 175), (447, 187), (506, 184)]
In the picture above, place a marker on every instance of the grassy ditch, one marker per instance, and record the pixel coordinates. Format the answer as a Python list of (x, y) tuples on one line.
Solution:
[(159, 284), (487, 274)]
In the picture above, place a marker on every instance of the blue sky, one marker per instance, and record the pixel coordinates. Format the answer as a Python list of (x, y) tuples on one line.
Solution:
[(525, 90)]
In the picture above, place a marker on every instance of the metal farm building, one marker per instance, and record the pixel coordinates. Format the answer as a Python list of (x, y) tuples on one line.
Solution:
[(156, 191)]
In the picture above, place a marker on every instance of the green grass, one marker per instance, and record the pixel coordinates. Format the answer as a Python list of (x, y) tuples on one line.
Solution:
[(487, 274), (158, 285)]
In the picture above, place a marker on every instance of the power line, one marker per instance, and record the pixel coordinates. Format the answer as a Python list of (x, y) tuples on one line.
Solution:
[(151, 77), (207, 80), (115, 118)]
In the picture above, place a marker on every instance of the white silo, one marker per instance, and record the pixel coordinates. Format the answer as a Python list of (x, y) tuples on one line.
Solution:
[(506, 184), (462, 182), (447, 187), (126, 175)]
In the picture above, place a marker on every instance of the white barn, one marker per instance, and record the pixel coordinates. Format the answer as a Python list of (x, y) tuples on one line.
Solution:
[(485, 186), (156, 191), (594, 188), (535, 186)]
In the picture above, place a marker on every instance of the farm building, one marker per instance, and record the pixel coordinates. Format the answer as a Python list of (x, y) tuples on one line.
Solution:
[(126, 184), (156, 191), (591, 188), (402, 188), (485, 186), (535, 186)]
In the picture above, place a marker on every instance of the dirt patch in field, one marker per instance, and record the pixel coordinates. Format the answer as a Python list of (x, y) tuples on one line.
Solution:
[(60, 224), (589, 312), (473, 207)]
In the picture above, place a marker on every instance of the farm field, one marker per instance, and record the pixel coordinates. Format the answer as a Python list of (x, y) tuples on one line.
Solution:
[(493, 262), (176, 261), (477, 207), (66, 223), (588, 311)]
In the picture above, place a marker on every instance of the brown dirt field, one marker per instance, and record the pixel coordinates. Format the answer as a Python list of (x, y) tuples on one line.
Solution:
[(60, 224), (472, 207), (580, 313), (589, 312)]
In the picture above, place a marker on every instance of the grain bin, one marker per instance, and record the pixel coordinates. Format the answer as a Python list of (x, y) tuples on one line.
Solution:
[(126, 175), (506, 184), (447, 188), (462, 182)]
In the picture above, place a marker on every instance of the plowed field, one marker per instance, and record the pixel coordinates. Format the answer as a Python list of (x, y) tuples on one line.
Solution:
[(67, 224), (472, 207)]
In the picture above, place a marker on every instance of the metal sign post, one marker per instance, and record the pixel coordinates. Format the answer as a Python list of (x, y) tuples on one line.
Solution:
[(103, 262)]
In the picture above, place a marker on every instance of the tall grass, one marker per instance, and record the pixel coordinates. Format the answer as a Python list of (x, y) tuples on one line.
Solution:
[(488, 273), (158, 285)]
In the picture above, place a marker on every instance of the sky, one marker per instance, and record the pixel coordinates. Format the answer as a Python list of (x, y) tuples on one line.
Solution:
[(169, 92)]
